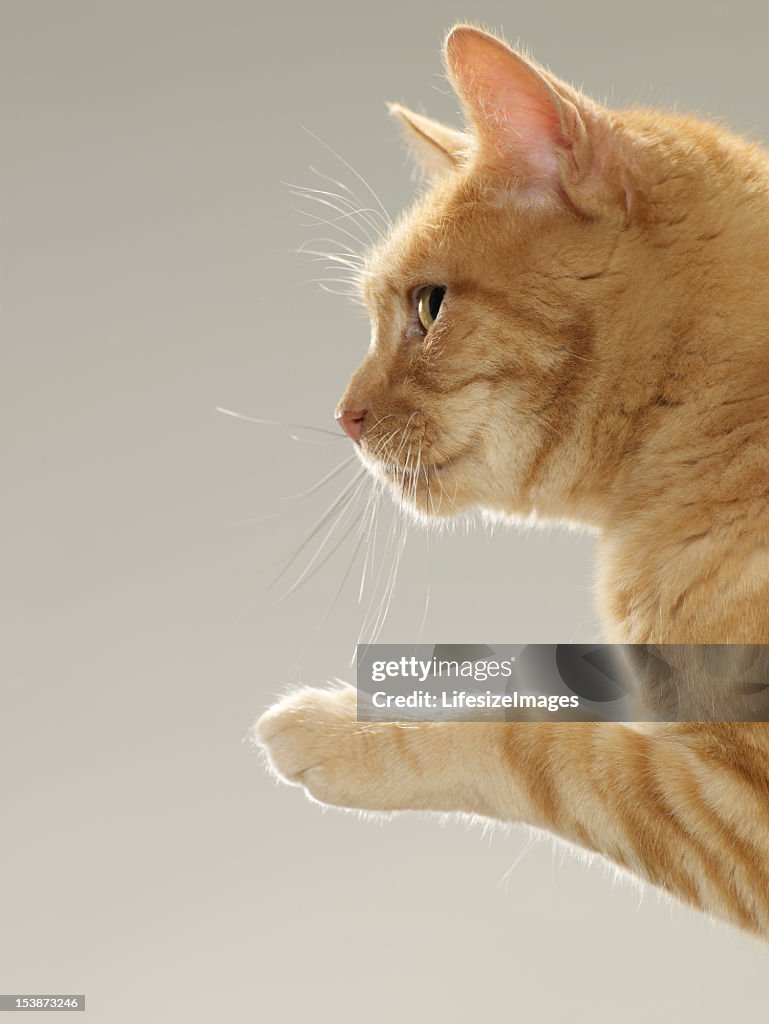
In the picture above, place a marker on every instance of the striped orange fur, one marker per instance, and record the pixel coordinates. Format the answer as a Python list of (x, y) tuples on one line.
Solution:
[(601, 354)]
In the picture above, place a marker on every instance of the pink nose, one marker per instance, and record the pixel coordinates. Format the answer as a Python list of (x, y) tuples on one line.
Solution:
[(351, 422)]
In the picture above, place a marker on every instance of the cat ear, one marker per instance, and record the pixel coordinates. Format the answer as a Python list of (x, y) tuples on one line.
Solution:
[(436, 148), (524, 119)]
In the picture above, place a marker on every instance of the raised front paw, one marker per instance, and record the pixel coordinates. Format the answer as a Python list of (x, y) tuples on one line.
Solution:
[(312, 738), (301, 731)]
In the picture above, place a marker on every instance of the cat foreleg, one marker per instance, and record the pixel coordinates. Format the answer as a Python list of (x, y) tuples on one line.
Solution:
[(681, 806)]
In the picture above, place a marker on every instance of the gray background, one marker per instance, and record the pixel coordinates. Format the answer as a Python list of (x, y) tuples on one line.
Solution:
[(146, 857)]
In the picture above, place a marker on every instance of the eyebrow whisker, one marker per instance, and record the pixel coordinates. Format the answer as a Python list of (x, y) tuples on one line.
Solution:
[(357, 174)]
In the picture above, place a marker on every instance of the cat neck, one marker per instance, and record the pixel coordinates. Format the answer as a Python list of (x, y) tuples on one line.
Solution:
[(671, 462)]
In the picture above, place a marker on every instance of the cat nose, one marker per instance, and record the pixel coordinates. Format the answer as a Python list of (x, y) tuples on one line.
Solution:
[(351, 422)]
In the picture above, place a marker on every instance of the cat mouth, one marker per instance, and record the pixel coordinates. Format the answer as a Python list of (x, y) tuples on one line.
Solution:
[(425, 486), (411, 476)]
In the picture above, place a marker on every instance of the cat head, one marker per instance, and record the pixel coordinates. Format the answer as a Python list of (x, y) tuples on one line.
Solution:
[(490, 298)]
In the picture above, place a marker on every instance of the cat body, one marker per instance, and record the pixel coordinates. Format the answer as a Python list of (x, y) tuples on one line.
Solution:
[(599, 352)]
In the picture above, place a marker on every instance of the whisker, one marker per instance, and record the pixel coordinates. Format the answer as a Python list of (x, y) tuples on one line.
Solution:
[(344, 497), (360, 216), (353, 286), (356, 208), (333, 222), (287, 427), (353, 296), (392, 580), (257, 519), (309, 571), (427, 543), (353, 195), (350, 214), (369, 524), (325, 199), (429, 488), (351, 283), (373, 525), (321, 483), (350, 168), (384, 605), (328, 254), (328, 257), (334, 599), (371, 624), (391, 535)]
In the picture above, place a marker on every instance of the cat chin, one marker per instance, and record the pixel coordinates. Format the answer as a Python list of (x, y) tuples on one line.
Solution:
[(433, 505)]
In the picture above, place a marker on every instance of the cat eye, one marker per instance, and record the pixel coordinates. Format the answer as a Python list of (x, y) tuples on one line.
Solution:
[(429, 301)]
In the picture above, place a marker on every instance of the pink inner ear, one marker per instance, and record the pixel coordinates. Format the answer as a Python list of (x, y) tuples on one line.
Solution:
[(514, 111)]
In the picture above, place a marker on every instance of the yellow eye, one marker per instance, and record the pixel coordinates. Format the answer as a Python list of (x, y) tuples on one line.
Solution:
[(429, 301)]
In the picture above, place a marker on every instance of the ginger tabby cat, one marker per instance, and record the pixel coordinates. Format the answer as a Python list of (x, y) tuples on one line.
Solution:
[(573, 321)]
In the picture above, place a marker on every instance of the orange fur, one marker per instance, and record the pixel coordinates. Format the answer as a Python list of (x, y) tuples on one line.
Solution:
[(601, 355)]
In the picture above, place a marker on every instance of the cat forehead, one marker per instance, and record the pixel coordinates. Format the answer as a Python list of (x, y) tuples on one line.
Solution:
[(430, 225), (466, 223)]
